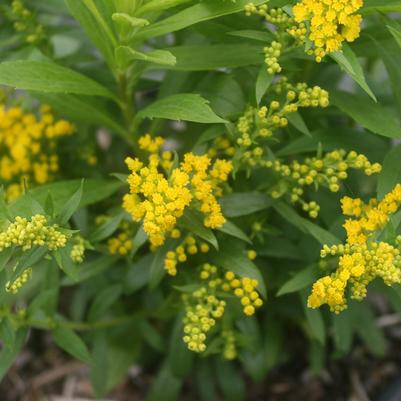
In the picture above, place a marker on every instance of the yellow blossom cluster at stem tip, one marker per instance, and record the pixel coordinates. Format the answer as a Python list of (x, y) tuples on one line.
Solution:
[(331, 23), (77, 253), (19, 282), (204, 306), (328, 170), (28, 147), (190, 246), (160, 200), (362, 258), (26, 234), (258, 124)]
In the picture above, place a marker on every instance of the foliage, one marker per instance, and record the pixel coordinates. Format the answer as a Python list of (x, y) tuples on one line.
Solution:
[(245, 128)]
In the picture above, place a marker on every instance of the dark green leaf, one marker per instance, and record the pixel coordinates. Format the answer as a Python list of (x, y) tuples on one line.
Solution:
[(244, 203)]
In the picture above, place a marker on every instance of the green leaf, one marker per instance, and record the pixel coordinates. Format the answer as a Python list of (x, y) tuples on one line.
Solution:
[(390, 175), (103, 301), (230, 381), (5, 256), (125, 55), (320, 234), (70, 342), (185, 106), (7, 355), (62, 191), (157, 270), (396, 33), (71, 206), (314, 318), (166, 387), (83, 109), (7, 333), (203, 11), (205, 380), (99, 369), (44, 76), (302, 279), (263, 83), (180, 357), (367, 113), (366, 327), (210, 57), (159, 5), (92, 28), (236, 261), (348, 61), (298, 122), (193, 222), (342, 331), (106, 229), (127, 20), (231, 229), (388, 6), (244, 203), (138, 274)]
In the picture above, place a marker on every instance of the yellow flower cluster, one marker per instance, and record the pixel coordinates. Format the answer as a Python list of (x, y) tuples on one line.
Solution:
[(371, 217), (202, 309), (121, 244), (259, 124), (284, 25), (245, 290), (328, 171), (36, 232), (19, 282), (28, 146), (229, 350), (25, 22), (77, 253), (362, 258), (160, 201), (190, 246), (221, 146), (331, 23)]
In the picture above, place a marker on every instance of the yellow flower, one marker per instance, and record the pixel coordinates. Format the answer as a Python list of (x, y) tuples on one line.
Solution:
[(331, 23), (160, 201), (362, 258)]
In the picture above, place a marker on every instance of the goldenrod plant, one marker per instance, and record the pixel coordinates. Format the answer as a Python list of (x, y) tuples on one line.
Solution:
[(200, 180)]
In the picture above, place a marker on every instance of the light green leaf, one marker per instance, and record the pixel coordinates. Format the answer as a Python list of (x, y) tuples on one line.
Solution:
[(193, 222), (236, 261), (203, 11), (263, 83), (185, 107), (71, 206), (44, 76), (7, 355), (106, 229), (390, 175), (103, 301), (70, 342), (302, 279), (103, 39), (388, 6), (231, 229), (319, 233), (298, 122), (348, 61), (7, 333), (125, 55), (210, 57), (367, 113), (62, 191), (244, 203)]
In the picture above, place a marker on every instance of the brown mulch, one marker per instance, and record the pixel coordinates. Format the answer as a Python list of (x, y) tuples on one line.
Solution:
[(43, 373)]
